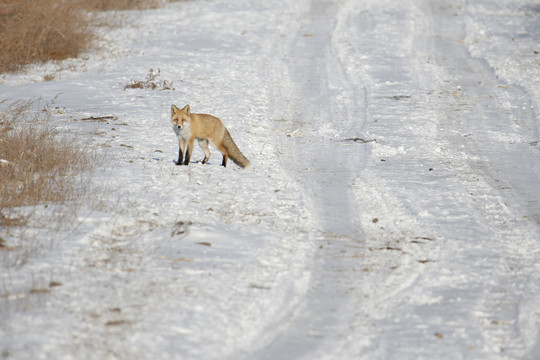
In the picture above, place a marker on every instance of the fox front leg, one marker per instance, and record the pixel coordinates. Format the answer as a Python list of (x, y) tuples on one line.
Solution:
[(180, 156), (181, 148), (189, 150)]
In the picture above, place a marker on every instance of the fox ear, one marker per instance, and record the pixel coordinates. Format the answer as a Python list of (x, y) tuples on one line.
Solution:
[(174, 109), (186, 109)]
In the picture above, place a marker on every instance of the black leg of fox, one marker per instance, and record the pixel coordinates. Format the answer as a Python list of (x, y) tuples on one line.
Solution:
[(180, 157), (188, 155)]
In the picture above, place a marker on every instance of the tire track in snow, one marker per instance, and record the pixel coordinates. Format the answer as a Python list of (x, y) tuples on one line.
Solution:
[(440, 264), (325, 167), (490, 126)]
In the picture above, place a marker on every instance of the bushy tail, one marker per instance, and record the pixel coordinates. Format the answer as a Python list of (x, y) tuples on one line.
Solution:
[(234, 152)]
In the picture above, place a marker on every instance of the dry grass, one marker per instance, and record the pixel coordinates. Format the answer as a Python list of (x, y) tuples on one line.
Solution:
[(37, 165), (37, 31), (106, 5), (33, 31)]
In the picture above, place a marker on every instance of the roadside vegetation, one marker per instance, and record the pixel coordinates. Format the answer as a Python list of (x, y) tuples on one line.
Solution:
[(38, 31), (37, 164)]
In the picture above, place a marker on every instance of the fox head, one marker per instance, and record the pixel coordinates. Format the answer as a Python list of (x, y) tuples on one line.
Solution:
[(180, 117)]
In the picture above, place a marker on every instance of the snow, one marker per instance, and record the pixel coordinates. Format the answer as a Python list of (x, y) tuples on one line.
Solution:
[(392, 210)]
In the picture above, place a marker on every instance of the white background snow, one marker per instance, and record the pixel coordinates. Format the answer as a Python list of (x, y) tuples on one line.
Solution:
[(392, 212)]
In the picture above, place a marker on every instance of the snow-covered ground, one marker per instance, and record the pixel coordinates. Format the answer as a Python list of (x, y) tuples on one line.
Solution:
[(392, 212)]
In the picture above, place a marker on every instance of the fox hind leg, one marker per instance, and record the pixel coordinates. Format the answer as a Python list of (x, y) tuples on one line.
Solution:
[(203, 143), (225, 155)]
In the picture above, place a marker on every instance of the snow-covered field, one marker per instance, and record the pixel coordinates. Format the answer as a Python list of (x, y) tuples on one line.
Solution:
[(392, 211)]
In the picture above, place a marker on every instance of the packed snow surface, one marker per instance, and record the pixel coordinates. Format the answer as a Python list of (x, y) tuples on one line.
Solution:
[(392, 211)]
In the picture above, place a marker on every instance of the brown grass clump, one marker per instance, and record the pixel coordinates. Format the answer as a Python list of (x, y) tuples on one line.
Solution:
[(107, 5), (37, 166), (37, 31), (34, 31)]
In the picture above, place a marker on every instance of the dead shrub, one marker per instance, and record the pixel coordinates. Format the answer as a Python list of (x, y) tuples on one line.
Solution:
[(151, 82), (37, 165)]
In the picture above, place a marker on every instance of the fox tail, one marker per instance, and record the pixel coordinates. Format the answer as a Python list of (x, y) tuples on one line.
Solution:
[(234, 152)]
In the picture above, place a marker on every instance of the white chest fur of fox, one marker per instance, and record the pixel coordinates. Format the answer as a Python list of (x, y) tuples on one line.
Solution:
[(206, 129), (183, 132)]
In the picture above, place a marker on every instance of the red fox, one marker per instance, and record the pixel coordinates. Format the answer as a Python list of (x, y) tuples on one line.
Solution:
[(206, 129)]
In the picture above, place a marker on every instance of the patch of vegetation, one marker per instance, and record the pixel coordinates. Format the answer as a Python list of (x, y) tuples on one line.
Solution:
[(151, 82), (107, 5), (37, 31), (37, 165)]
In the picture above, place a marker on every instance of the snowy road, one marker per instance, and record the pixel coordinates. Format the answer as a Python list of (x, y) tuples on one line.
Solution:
[(392, 211)]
